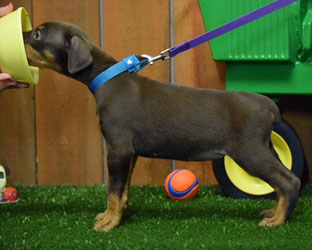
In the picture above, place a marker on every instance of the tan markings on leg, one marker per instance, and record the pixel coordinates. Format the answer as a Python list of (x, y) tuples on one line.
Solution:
[(111, 217), (269, 213), (279, 217), (125, 194), (116, 206)]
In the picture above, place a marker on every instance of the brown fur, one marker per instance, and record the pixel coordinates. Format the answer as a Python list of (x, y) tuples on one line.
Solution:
[(143, 117)]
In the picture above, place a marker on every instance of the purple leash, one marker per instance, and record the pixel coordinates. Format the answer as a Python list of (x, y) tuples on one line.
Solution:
[(133, 64), (252, 16)]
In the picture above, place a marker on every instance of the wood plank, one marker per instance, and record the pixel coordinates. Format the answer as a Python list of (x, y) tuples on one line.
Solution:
[(69, 139), (140, 28), (17, 127), (195, 68)]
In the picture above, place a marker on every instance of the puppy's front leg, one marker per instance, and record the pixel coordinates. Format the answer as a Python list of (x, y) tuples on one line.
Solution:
[(120, 171)]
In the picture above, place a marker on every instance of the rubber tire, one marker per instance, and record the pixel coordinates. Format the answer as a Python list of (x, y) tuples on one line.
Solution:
[(286, 131)]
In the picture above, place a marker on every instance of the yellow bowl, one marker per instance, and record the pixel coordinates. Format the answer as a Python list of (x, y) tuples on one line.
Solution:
[(13, 59), (252, 185)]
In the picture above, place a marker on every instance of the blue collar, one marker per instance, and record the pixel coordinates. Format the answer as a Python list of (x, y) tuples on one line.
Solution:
[(130, 64)]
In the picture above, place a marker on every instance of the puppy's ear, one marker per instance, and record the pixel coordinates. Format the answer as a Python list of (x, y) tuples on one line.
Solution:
[(79, 56)]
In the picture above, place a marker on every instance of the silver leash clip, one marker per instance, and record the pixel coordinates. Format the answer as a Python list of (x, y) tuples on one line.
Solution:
[(164, 55)]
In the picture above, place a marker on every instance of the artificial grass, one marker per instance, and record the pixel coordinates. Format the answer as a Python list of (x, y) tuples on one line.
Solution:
[(61, 217)]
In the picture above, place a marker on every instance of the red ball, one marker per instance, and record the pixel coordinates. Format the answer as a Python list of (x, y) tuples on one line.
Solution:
[(181, 184), (10, 194)]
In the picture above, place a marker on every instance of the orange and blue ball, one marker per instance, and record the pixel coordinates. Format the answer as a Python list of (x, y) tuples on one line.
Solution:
[(181, 184)]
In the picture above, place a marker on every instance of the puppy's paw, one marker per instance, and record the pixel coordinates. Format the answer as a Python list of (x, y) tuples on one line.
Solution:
[(105, 222), (270, 222), (100, 216), (268, 213)]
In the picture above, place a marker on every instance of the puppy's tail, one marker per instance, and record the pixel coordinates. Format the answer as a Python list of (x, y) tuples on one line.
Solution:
[(275, 113)]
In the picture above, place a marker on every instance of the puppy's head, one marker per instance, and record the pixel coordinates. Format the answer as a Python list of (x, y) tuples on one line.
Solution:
[(60, 46)]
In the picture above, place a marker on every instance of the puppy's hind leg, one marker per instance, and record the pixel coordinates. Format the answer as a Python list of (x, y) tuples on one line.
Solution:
[(287, 196), (266, 167), (120, 171), (269, 213)]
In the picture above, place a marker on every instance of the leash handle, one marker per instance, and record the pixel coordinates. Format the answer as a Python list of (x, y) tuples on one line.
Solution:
[(252, 16)]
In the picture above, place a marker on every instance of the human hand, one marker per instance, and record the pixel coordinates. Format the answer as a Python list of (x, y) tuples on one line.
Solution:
[(6, 80), (6, 9)]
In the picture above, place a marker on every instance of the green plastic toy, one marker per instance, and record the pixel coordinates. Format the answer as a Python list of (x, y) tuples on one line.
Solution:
[(271, 55)]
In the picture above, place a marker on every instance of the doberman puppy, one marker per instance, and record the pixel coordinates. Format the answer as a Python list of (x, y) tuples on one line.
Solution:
[(143, 117)]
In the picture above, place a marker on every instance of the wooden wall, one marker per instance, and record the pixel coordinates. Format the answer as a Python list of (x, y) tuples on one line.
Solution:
[(49, 134)]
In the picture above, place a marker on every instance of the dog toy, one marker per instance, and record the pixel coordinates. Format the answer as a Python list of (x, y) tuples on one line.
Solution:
[(13, 58), (181, 184), (9, 194)]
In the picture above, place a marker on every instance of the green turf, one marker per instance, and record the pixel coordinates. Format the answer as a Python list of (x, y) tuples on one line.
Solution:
[(62, 217)]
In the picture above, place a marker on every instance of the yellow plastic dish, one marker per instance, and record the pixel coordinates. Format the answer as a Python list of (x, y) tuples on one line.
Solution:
[(252, 185), (13, 59)]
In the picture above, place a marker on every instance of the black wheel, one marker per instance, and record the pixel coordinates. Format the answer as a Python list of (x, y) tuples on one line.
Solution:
[(236, 183)]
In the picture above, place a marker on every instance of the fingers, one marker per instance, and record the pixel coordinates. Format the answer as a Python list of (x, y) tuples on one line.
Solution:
[(13, 84), (5, 77), (6, 9), (6, 81), (5, 84), (21, 85)]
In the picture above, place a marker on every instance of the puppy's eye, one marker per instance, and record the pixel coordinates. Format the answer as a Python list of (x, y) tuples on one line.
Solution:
[(37, 35)]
